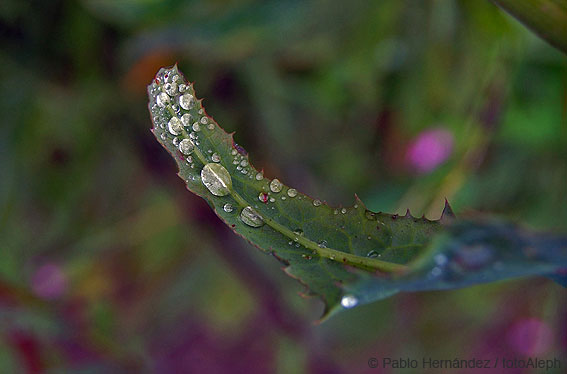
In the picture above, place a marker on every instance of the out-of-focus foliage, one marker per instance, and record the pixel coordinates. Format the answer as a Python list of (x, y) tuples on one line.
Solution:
[(108, 265), (547, 18)]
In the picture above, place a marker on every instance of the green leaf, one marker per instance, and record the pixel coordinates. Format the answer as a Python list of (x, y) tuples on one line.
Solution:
[(345, 255), (547, 18)]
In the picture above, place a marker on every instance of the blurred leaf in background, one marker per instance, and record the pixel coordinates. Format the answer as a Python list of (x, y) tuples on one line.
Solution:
[(108, 265)]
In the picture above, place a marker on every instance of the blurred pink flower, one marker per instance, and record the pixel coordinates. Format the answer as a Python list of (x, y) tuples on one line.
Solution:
[(49, 281), (530, 336), (430, 149)]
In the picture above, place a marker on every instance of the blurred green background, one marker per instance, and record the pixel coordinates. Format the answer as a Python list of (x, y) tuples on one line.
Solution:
[(107, 263)]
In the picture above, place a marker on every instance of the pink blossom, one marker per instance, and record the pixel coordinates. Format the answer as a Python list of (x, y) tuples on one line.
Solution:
[(430, 149)]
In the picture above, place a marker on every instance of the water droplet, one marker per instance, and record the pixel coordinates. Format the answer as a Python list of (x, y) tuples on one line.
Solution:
[(372, 254), (292, 192), (196, 127), (250, 217), (170, 88), (228, 207), (175, 141), (355, 206), (336, 211), (162, 100), (259, 176), (349, 301), (370, 215), (204, 120), (322, 244), (263, 197), (186, 119), (217, 179), (215, 157), (244, 163), (186, 101), (211, 126), (316, 202), (440, 259), (369, 237), (343, 210), (298, 232), (174, 126), (272, 199), (233, 152), (182, 87), (276, 186), (186, 146)]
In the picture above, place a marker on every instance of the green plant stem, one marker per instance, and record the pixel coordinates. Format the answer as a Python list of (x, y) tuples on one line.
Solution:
[(547, 18)]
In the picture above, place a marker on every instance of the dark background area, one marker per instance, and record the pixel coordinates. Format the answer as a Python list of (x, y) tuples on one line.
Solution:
[(107, 263)]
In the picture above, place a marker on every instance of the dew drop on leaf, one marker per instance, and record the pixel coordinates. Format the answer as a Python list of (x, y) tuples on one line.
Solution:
[(170, 88), (186, 101), (263, 197), (196, 127), (174, 126), (250, 217), (276, 186), (186, 119), (204, 120), (349, 301), (316, 202), (343, 210), (186, 146), (228, 207), (215, 157), (217, 179), (292, 192), (162, 100), (372, 254), (259, 176)]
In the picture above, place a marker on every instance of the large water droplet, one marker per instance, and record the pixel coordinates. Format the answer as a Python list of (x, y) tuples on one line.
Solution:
[(174, 126), (276, 186), (186, 146), (349, 301), (217, 179), (162, 100), (186, 101), (170, 88), (250, 217), (292, 192)]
